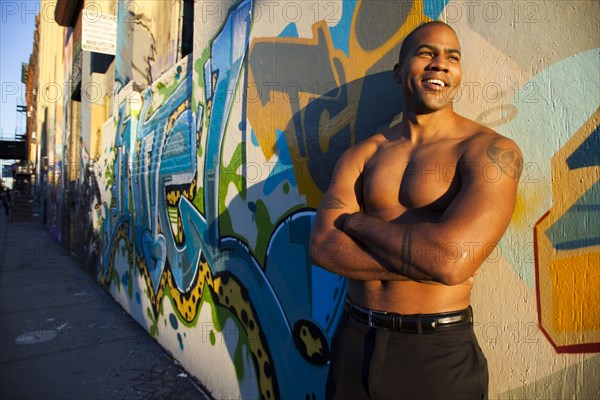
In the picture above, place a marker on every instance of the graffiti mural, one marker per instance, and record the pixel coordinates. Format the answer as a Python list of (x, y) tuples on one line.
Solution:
[(567, 241), (209, 178), (208, 202)]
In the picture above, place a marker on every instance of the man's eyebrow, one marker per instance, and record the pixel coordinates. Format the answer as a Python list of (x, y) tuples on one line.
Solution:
[(429, 46), (435, 48)]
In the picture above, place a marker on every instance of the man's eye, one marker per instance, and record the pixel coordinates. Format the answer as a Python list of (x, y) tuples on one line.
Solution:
[(426, 53)]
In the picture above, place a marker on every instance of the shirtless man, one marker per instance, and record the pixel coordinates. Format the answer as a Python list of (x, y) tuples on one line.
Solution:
[(409, 217)]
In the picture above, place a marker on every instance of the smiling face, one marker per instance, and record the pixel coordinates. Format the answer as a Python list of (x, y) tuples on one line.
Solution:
[(430, 70)]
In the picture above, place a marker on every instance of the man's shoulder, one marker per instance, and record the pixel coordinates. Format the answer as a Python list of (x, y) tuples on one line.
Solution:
[(481, 137), (366, 147), (487, 147)]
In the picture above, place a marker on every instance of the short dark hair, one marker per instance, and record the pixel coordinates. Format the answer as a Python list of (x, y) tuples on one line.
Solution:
[(406, 42)]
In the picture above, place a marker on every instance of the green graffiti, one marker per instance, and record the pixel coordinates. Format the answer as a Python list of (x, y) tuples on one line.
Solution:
[(165, 90), (115, 279), (265, 228), (199, 69), (130, 283), (109, 174), (220, 315), (229, 175), (154, 322), (225, 224), (199, 199)]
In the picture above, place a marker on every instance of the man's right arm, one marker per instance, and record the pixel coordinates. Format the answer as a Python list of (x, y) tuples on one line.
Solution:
[(330, 247)]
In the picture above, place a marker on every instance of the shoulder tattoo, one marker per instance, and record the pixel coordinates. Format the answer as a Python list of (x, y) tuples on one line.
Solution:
[(509, 161), (332, 202)]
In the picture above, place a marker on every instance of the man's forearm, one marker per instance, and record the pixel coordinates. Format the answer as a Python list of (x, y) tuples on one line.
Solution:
[(400, 259), (342, 255)]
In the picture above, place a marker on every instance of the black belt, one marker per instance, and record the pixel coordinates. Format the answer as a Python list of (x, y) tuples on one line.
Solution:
[(415, 323)]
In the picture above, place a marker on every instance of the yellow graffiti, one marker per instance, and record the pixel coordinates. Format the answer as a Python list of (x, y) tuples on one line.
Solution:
[(314, 345), (182, 107), (576, 283), (568, 279), (225, 292), (230, 294)]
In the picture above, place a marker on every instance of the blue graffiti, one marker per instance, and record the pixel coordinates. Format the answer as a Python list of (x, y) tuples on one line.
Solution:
[(153, 153), (166, 161), (118, 214), (433, 8), (340, 33), (222, 73), (283, 170), (578, 226), (588, 153), (289, 31)]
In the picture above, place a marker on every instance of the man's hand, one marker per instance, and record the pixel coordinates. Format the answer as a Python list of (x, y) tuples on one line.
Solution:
[(350, 220), (340, 221)]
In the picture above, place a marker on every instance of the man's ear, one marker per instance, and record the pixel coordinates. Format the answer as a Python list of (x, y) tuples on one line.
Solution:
[(397, 75)]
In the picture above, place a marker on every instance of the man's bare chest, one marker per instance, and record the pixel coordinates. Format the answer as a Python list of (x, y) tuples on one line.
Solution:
[(408, 178)]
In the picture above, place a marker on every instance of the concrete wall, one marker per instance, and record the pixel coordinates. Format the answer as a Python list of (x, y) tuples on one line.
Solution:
[(203, 194)]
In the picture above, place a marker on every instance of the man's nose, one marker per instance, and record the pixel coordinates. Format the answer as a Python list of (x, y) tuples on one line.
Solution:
[(438, 64)]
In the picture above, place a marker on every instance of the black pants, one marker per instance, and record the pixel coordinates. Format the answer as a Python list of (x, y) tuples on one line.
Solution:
[(372, 363)]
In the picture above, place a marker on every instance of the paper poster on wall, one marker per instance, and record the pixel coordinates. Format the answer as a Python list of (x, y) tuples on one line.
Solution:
[(99, 32)]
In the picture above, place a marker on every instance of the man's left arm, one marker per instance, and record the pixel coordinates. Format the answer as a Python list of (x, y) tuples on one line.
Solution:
[(453, 249)]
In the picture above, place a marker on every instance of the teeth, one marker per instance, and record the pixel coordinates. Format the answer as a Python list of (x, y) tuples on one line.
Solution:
[(436, 82)]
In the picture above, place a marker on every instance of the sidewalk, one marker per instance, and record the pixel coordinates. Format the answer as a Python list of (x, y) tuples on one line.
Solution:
[(64, 337)]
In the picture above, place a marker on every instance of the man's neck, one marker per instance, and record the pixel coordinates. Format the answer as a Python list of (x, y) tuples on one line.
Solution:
[(422, 128)]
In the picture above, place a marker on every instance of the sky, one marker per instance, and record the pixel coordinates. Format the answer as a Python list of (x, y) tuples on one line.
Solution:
[(17, 23)]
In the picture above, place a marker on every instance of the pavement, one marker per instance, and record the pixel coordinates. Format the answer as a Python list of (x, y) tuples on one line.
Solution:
[(62, 336)]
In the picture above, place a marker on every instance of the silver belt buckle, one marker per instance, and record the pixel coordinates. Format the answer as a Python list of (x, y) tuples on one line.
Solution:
[(370, 319)]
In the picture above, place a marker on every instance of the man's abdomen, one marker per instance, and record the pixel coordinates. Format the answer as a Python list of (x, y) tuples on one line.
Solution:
[(409, 297)]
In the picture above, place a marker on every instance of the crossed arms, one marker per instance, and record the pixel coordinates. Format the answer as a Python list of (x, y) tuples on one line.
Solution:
[(353, 244)]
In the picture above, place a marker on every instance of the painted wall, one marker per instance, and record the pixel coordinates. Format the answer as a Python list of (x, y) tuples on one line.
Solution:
[(208, 179)]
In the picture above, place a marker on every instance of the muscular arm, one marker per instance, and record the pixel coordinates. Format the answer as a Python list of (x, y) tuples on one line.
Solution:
[(452, 250), (333, 249)]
